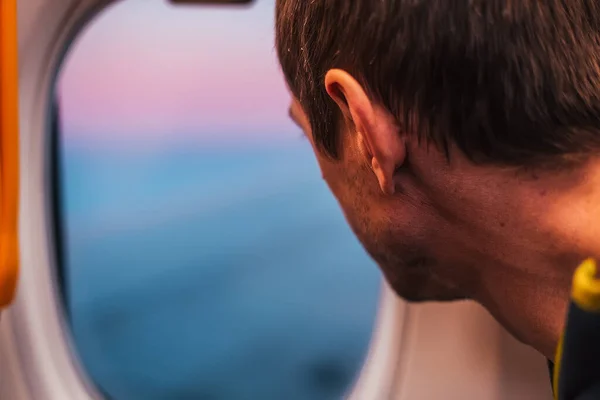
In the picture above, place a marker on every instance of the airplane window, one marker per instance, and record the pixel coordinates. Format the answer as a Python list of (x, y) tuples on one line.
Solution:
[(204, 257)]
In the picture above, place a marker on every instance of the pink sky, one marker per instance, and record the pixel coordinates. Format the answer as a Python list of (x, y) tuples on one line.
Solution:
[(145, 70)]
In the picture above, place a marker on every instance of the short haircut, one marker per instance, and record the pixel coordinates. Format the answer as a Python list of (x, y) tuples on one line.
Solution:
[(510, 82)]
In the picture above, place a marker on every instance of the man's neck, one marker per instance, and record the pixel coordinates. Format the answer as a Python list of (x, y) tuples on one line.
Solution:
[(533, 310), (528, 290)]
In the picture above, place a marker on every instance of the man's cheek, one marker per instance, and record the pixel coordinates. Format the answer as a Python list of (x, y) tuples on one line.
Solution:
[(329, 175)]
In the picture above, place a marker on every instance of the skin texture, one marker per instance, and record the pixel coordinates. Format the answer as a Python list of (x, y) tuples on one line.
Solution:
[(447, 229)]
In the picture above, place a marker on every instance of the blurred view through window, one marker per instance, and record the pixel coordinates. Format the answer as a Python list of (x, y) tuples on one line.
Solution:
[(204, 256)]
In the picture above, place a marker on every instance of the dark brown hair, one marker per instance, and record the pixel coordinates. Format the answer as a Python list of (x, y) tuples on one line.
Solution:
[(512, 82)]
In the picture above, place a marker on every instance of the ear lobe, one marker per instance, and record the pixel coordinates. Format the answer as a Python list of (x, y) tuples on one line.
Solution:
[(384, 177), (389, 152)]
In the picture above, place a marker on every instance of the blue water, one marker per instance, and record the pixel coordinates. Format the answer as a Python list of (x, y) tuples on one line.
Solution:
[(213, 274)]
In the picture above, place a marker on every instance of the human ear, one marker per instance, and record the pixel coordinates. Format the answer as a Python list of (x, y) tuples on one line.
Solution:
[(377, 134)]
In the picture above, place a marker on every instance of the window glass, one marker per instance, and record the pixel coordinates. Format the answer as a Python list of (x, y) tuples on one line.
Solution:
[(204, 256)]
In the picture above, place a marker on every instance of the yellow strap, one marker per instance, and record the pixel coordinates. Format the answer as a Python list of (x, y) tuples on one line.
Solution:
[(9, 152), (557, 362), (586, 286)]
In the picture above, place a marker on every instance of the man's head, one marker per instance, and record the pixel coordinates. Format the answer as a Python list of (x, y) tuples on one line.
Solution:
[(459, 138)]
